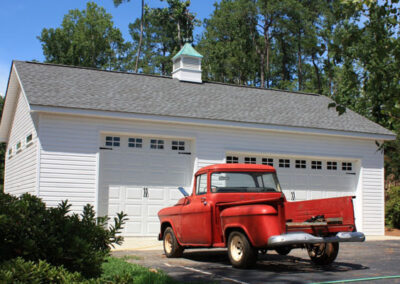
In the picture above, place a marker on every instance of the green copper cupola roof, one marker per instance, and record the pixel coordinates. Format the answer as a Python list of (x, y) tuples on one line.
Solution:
[(188, 50)]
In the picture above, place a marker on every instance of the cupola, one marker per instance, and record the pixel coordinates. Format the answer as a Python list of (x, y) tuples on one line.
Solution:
[(187, 64)]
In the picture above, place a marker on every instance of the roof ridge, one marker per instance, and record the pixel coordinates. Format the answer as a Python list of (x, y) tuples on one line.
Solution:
[(93, 69), (164, 77)]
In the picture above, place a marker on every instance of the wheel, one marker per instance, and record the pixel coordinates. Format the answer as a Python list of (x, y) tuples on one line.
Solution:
[(324, 253), (283, 250), (171, 246), (241, 253)]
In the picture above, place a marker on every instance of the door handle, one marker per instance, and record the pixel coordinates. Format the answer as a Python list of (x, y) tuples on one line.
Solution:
[(203, 200)]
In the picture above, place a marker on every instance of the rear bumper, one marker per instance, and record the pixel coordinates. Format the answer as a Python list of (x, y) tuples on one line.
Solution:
[(304, 238)]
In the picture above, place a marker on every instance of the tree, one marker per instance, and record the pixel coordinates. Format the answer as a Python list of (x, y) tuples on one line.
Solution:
[(86, 38), (119, 2), (164, 32)]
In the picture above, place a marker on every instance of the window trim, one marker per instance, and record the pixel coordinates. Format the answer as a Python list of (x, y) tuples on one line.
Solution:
[(267, 161), (180, 145), (197, 184), (316, 165), (114, 140), (284, 163), (134, 143), (233, 160), (159, 144)]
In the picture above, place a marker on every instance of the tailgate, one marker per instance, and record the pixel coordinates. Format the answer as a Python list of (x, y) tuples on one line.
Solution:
[(320, 216)]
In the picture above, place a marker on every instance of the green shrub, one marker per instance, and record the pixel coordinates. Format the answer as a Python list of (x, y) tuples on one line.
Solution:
[(79, 243), (116, 270), (20, 271), (393, 208)]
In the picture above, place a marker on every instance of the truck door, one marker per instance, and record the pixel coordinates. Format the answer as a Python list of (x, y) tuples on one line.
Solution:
[(196, 215)]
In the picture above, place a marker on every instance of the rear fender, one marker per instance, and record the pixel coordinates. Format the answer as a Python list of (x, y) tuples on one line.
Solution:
[(236, 227)]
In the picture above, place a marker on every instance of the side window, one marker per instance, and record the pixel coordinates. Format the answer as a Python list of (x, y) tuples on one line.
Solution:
[(201, 184)]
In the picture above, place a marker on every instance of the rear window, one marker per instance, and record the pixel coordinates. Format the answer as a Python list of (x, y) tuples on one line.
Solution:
[(244, 182)]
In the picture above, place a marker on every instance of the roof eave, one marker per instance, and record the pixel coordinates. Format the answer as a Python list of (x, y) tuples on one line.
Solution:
[(209, 122)]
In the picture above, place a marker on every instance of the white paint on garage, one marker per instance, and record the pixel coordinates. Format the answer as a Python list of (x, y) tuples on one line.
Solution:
[(140, 178), (72, 144)]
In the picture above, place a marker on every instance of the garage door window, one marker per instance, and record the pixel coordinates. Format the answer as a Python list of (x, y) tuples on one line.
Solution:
[(201, 184), (347, 166), (113, 141), (300, 164), (232, 160), (178, 145), (249, 160), (331, 165), (156, 144), (316, 165), (135, 142), (267, 161), (284, 163)]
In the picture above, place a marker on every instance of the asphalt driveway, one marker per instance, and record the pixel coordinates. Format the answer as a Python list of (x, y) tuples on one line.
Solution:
[(379, 261)]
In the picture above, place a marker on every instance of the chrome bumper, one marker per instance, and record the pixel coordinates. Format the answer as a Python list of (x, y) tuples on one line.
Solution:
[(304, 238)]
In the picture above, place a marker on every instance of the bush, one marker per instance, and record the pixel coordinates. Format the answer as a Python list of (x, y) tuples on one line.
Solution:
[(20, 271), (393, 208), (79, 243), (116, 270)]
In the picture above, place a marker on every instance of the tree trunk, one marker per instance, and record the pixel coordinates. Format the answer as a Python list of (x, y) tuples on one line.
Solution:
[(140, 39), (319, 85), (179, 34), (299, 63)]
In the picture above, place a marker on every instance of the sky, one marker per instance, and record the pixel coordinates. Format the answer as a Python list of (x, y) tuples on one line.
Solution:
[(23, 20)]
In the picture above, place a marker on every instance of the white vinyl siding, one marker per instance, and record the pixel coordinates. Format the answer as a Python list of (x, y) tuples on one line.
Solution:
[(20, 168), (72, 145)]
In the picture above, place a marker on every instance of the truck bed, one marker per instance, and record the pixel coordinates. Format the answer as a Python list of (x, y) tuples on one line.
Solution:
[(320, 216)]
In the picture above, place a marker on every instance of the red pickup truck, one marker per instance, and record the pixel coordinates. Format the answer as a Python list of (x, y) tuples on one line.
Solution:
[(242, 207)]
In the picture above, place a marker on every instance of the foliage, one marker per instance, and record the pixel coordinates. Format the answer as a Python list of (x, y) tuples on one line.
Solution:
[(393, 208), (30, 230), (115, 270), (86, 38), (164, 32), (20, 271)]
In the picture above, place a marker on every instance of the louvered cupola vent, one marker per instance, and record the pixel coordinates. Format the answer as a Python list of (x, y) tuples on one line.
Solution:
[(187, 64)]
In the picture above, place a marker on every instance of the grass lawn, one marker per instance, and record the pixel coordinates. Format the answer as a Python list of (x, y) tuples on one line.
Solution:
[(117, 270)]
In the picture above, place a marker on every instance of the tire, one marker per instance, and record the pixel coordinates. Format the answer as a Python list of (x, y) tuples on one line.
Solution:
[(324, 253), (171, 246), (283, 250), (241, 253)]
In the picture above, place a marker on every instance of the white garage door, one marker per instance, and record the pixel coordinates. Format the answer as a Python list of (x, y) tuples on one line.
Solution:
[(140, 175), (308, 178)]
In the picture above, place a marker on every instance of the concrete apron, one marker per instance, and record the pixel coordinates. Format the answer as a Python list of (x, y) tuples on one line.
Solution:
[(151, 243), (140, 243)]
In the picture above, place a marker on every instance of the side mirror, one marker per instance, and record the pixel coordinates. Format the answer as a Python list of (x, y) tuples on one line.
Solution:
[(183, 191)]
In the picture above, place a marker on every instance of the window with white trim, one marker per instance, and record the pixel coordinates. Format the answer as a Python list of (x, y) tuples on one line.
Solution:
[(178, 145), (331, 165), (135, 142), (113, 141), (10, 152), (250, 160), (156, 144), (232, 160), (316, 165), (300, 164), (18, 147), (267, 161), (284, 163), (29, 138), (347, 166)]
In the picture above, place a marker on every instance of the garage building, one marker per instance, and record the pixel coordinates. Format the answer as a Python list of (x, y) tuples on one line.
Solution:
[(123, 141)]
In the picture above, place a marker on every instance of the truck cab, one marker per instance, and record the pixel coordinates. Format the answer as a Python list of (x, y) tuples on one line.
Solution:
[(242, 207)]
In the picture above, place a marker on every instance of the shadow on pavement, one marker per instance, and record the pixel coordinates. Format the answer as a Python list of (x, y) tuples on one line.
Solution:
[(273, 263)]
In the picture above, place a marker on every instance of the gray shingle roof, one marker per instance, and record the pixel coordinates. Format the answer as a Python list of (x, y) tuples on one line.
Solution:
[(82, 88)]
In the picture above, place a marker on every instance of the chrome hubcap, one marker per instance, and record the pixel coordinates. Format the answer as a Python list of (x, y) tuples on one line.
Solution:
[(236, 248), (168, 243)]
